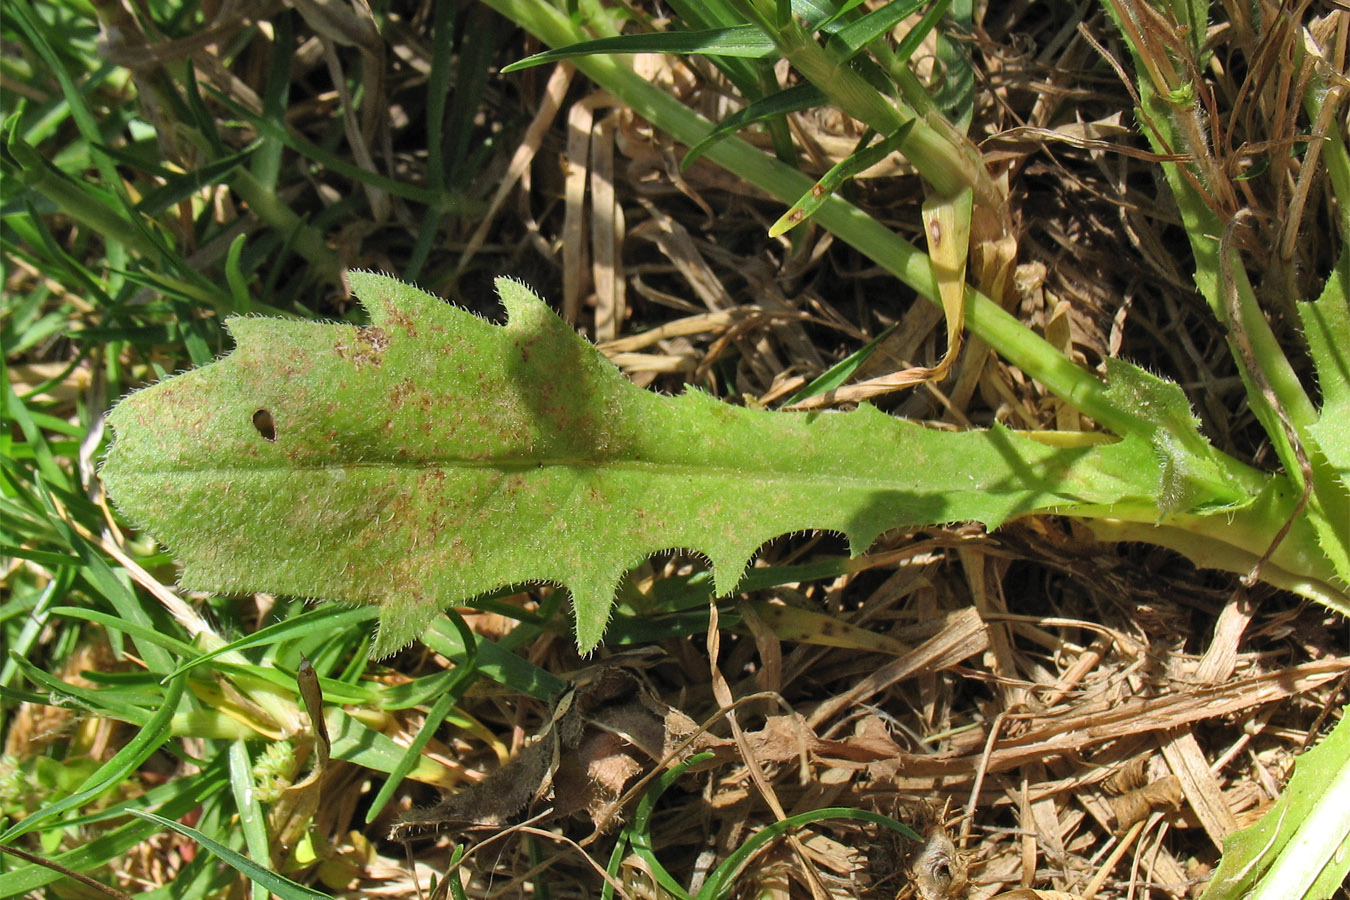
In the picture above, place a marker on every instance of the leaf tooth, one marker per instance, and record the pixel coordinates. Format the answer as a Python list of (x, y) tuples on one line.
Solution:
[(517, 296), (395, 304), (404, 618), (593, 591), (730, 559), (862, 532)]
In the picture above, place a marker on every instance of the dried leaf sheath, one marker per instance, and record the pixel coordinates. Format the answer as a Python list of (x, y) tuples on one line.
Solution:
[(432, 456)]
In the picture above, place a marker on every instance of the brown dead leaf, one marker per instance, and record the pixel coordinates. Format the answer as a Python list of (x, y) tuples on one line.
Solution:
[(601, 735)]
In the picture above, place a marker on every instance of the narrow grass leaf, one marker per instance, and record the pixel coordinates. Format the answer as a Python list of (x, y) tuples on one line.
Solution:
[(354, 742), (115, 623), (464, 677), (719, 882), (493, 661), (33, 228), (858, 161), (186, 795), (915, 37), (179, 186), (252, 820), (35, 618), (265, 166), (955, 96), (17, 411), (840, 372), (794, 99), (234, 275), (639, 833), (748, 75), (279, 885), (857, 34), (745, 41), (328, 619), (22, 14), (278, 131), (99, 702), (1300, 847), (82, 202), (124, 600), (616, 857), (148, 739)]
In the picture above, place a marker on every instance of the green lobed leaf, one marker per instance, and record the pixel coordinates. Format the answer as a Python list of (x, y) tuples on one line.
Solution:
[(1193, 473), (1326, 323), (1300, 847), (431, 456)]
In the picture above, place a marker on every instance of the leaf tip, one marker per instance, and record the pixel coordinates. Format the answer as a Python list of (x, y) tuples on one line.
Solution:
[(592, 606), (517, 296), (392, 302)]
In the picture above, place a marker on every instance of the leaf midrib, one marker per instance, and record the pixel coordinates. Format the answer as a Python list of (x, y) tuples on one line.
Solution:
[(657, 468)]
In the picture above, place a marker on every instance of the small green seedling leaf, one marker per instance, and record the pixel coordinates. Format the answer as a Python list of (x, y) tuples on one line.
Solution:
[(793, 99), (430, 457)]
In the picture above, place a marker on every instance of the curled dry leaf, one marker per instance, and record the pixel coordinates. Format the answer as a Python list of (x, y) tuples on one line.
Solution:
[(932, 869), (935, 868), (602, 733), (1135, 805)]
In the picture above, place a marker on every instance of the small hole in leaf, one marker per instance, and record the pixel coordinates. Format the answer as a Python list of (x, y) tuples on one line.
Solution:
[(265, 424)]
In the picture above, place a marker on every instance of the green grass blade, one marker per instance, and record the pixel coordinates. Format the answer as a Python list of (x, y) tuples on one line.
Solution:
[(329, 618), (252, 819), (719, 883), (794, 99), (1299, 847), (745, 41), (840, 372), (115, 623), (99, 702), (876, 24), (464, 677), (494, 662), (279, 885), (639, 833), (148, 739), (185, 796), (857, 161)]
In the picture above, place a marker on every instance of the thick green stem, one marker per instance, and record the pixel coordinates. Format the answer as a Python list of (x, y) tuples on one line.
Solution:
[(308, 242), (940, 156)]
